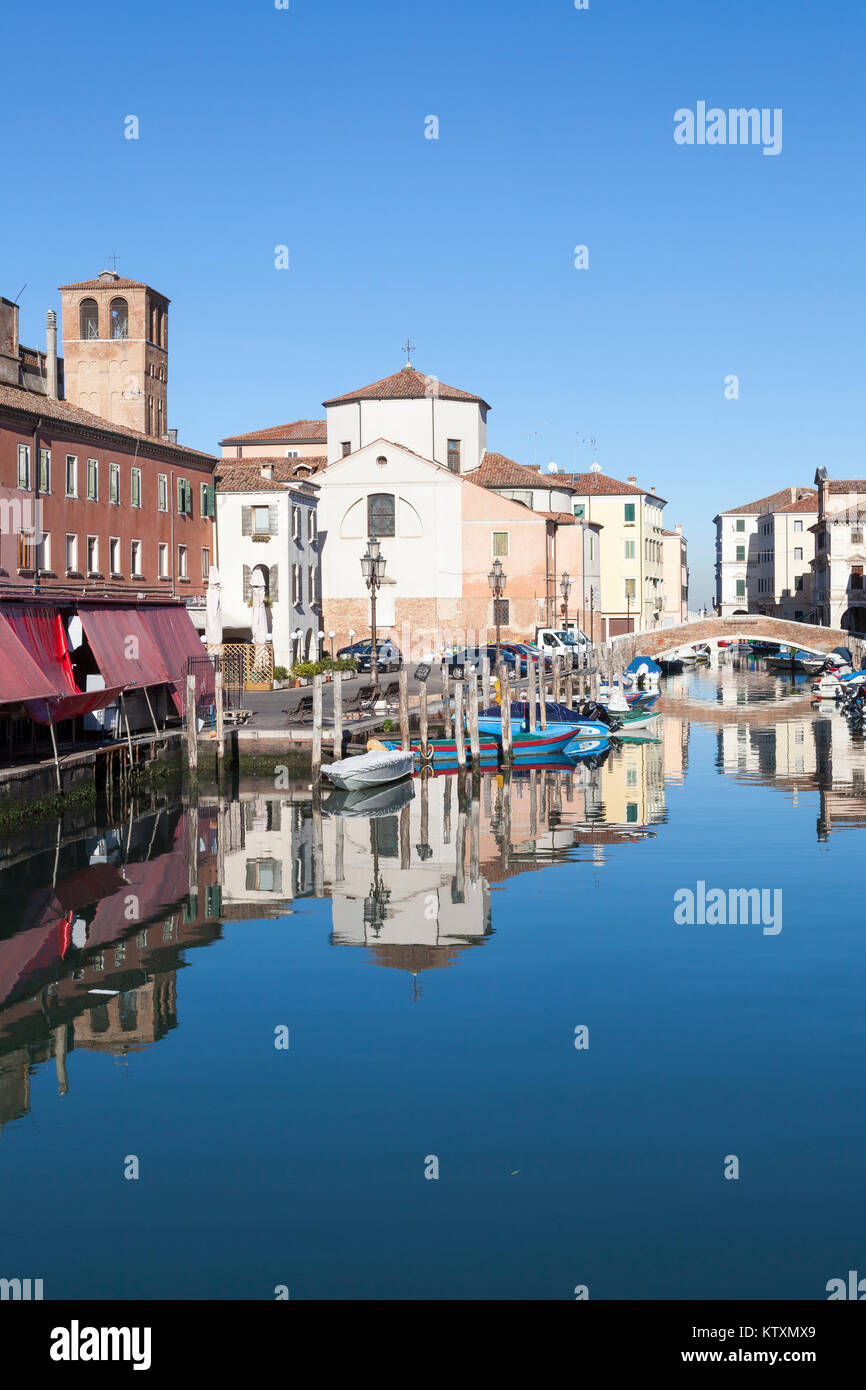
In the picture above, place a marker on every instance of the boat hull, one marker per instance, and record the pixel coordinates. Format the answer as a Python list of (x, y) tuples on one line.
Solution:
[(370, 769)]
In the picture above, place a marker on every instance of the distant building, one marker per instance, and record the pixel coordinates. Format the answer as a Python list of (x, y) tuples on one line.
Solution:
[(840, 553), (676, 578), (301, 439), (763, 554), (266, 514)]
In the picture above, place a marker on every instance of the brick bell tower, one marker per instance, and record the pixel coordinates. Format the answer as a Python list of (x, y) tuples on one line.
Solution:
[(115, 350)]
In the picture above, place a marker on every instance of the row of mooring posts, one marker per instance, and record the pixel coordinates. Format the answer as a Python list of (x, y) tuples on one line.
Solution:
[(461, 702)]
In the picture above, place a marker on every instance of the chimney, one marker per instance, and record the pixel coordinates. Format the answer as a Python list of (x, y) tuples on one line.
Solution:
[(679, 528), (172, 436), (9, 363), (51, 354), (653, 489), (632, 480), (794, 494), (267, 471)]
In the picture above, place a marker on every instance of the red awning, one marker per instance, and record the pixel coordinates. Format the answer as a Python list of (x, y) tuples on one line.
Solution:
[(40, 629), (177, 640), (54, 711), (124, 650), (20, 676)]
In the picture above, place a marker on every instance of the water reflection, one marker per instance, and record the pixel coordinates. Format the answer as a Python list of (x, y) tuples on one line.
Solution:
[(97, 919)]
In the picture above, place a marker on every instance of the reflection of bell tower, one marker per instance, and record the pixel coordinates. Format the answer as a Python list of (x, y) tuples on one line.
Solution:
[(115, 350)]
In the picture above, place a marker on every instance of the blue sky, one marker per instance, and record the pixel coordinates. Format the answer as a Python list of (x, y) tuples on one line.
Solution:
[(305, 127)]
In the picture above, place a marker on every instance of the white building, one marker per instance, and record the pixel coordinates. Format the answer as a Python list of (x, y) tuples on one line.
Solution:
[(840, 552), (752, 574), (266, 519)]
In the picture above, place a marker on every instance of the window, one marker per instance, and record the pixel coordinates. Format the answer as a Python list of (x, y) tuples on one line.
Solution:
[(181, 562), (89, 319), (500, 543), (631, 588), (380, 514), (579, 509), (297, 596), (798, 584), (92, 554), (118, 318), (741, 588), (346, 447), (71, 475), (311, 585), (629, 550), (205, 562), (454, 455), (24, 465), (741, 552), (628, 511), (162, 492), (26, 550), (184, 497), (312, 531), (798, 525), (114, 483), (798, 552), (501, 611), (207, 505), (135, 487), (92, 480), (856, 536), (114, 555), (296, 523), (261, 521), (135, 558), (71, 554), (740, 525), (44, 470), (162, 553), (857, 577), (292, 454)]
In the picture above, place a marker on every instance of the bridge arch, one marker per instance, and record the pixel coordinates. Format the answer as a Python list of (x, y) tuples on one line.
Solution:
[(661, 642)]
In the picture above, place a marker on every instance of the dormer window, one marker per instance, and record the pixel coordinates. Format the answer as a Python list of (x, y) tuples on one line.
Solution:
[(454, 455), (89, 319)]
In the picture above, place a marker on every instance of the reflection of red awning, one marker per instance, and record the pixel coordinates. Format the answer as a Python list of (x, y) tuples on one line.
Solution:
[(20, 676), (124, 649)]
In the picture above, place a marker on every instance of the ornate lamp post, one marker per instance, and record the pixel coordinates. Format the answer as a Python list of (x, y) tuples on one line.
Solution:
[(373, 570), (565, 584), (496, 579), (321, 642)]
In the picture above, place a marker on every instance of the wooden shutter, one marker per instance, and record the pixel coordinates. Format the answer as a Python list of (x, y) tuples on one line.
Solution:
[(246, 521), (274, 582), (248, 588), (273, 522), (211, 500)]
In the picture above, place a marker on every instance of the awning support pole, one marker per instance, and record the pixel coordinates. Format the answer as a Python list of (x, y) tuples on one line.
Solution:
[(150, 707), (56, 759)]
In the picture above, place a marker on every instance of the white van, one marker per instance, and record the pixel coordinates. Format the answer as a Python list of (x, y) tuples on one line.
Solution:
[(570, 644)]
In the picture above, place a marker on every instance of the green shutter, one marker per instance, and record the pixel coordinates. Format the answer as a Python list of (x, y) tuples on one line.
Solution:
[(211, 500)]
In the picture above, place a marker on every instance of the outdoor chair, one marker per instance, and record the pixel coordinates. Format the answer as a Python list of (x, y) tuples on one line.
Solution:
[(302, 710), (360, 703)]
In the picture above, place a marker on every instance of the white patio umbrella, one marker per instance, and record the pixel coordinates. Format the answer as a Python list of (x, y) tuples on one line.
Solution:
[(213, 619), (259, 623)]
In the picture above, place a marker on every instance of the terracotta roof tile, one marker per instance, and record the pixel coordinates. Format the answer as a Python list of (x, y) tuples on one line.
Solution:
[(110, 280), (496, 470), (600, 485), (803, 504), (847, 485), (17, 398), (297, 432), (772, 503), (408, 384), (245, 475)]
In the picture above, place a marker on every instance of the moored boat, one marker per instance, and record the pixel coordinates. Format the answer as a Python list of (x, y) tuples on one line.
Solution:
[(380, 765)]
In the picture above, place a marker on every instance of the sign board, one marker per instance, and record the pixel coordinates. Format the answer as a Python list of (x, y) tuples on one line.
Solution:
[(422, 672)]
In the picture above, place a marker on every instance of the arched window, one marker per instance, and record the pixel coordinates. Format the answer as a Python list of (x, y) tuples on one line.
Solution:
[(89, 312), (118, 317), (380, 514)]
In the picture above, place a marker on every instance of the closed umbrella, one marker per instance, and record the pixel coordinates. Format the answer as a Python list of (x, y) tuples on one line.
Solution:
[(213, 622), (259, 625)]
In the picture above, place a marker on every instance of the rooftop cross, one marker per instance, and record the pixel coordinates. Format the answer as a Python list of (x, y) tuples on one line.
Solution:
[(408, 348), (113, 257)]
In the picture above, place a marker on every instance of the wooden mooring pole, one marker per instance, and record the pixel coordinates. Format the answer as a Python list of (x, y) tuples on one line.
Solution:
[(458, 725), (191, 729), (505, 710), (220, 724), (530, 694), (422, 713), (474, 748), (337, 688), (403, 686), (317, 727)]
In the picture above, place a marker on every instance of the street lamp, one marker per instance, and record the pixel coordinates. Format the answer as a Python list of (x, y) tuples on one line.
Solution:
[(496, 579), (321, 640), (332, 635), (373, 570), (565, 584)]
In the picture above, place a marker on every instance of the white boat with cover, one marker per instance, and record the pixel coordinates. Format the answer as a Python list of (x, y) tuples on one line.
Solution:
[(371, 769)]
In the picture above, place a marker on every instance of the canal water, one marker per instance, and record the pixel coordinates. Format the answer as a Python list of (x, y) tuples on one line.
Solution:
[(431, 1047)]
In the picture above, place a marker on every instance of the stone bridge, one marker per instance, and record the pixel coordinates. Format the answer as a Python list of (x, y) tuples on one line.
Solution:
[(662, 641)]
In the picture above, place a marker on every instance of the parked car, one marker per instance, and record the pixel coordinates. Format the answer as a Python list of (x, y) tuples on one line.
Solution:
[(530, 653), (459, 660), (388, 655)]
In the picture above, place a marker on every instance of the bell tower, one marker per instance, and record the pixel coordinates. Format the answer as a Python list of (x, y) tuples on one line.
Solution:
[(115, 350)]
